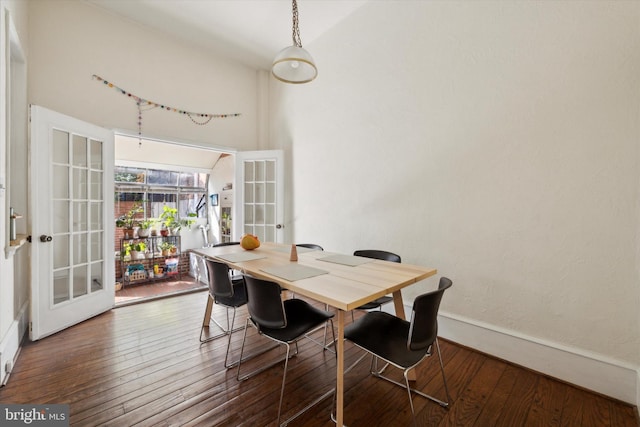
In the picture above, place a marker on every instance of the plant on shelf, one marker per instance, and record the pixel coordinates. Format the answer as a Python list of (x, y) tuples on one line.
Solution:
[(169, 218), (165, 247), (145, 227), (137, 250), (126, 251), (139, 247), (128, 221), (188, 221)]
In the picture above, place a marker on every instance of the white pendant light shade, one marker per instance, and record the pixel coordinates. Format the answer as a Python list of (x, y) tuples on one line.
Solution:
[(294, 64)]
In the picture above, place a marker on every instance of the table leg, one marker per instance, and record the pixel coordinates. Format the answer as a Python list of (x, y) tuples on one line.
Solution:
[(340, 370), (399, 306), (207, 312)]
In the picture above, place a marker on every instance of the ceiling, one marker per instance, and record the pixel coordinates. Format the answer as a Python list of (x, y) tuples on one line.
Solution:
[(251, 32)]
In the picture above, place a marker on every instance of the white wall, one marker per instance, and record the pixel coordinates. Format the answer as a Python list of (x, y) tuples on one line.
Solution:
[(496, 141), (71, 41)]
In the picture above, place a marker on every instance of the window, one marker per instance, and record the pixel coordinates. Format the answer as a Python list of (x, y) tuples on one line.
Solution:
[(154, 189)]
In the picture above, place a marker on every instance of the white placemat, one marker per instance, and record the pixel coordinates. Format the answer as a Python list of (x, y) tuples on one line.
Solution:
[(349, 260), (294, 271), (241, 256)]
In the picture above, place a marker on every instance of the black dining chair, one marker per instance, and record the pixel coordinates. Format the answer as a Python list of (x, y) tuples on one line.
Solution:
[(283, 321), (403, 344), (225, 291), (384, 256), (326, 307), (310, 246)]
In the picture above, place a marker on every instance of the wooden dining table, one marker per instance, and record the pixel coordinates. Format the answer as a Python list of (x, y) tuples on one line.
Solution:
[(344, 282)]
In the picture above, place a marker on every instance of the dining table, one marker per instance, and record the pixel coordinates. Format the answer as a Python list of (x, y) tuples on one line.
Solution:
[(344, 282)]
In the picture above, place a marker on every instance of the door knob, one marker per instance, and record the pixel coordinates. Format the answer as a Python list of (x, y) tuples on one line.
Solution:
[(279, 226), (45, 238)]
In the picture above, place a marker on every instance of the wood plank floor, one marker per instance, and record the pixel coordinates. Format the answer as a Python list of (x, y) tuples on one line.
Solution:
[(143, 365)]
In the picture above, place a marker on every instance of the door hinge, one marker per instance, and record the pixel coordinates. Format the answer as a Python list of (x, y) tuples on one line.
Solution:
[(30, 327)]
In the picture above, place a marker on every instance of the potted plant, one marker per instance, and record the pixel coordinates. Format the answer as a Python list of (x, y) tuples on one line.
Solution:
[(187, 222), (145, 227), (137, 250), (165, 247), (125, 254), (128, 221), (169, 218)]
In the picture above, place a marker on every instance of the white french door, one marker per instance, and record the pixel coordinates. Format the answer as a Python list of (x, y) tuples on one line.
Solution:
[(71, 204), (259, 195)]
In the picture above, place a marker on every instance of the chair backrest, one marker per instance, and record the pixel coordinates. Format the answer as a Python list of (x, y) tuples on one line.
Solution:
[(310, 246), (265, 305), (424, 318), (225, 244), (377, 254), (219, 282)]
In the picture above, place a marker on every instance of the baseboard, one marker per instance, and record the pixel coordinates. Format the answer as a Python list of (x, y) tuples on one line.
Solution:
[(638, 393), (11, 342), (591, 371)]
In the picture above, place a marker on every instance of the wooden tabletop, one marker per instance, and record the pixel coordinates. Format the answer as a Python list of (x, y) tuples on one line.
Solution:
[(343, 286)]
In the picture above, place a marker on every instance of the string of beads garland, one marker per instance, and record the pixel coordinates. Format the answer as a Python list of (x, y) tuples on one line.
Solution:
[(205, 118)]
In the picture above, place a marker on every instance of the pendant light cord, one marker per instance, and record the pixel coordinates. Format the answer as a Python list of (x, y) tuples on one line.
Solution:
[(296, 30)]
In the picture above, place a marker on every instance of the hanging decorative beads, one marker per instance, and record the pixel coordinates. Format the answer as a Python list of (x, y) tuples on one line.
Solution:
[(203, 118)]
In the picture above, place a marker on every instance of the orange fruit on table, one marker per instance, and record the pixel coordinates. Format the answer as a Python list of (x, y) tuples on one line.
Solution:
[(249, 242)]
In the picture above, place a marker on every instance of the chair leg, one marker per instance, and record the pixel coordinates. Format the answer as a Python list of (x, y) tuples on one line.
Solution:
[(324, 344), (444, 379), (226, 357), (408, 387), (264, 368), (284, 379), (229, 329)]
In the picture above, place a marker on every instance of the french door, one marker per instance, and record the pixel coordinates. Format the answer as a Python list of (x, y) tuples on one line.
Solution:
[(259, 197), (71, 205)]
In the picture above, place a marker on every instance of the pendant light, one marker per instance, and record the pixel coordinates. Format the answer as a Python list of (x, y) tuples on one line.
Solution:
[(294, 64)]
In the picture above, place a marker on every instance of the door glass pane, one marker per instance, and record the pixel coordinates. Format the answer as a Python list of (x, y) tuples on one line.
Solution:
[(259, 214), (96, 186), (60, 182), (270, 196), (259, 231), (96, 215), (96, 277), (96, 154), (79, 151), (248, 193), (80, 216), (60, 286), (60, 217), (270, 170), (80, 248), (60, 149), (259, 196), (60, 251), (79, 183), (248, 171), (96, 246), (248, 214), (80, 281), (259, 176)]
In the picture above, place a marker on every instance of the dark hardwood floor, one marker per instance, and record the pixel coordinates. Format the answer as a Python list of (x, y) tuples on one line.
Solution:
[(143, 365)]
